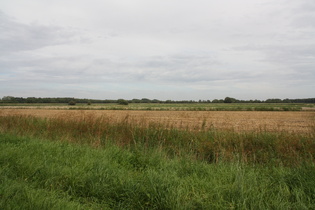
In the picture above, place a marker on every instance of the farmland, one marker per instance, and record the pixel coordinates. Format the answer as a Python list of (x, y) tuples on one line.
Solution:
[(301, 122), (169, 106), (90, 157)]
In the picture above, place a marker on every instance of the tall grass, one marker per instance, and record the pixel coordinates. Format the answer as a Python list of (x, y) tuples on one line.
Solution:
[(210, 145), (37, 174)]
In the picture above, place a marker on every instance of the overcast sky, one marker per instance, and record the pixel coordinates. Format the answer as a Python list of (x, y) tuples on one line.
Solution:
[(157, 49)]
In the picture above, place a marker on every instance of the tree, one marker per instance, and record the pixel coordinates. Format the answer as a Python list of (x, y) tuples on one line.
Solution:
[(7, 98), (122, 102), (217, 101), (274, 100), (228, 100), (135, 100), (155, 101), (145, 100)]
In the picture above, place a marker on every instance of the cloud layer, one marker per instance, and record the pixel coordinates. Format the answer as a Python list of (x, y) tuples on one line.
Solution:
[(158, 49)]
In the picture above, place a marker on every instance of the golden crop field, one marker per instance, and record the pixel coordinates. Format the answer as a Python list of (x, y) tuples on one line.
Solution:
[(297, 122)]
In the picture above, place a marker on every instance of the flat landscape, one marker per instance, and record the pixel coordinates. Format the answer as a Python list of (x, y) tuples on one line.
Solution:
[(157, 156), (168, 106), (288, 121), (157, 105)]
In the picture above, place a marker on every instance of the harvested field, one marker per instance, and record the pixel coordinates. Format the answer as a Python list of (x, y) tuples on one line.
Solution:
[(295, 122)]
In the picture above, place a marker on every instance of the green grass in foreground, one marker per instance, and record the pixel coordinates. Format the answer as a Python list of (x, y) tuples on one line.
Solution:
[(41, 174)]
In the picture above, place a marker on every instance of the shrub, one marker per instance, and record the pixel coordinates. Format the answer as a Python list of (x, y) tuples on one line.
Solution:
[(71, 103)]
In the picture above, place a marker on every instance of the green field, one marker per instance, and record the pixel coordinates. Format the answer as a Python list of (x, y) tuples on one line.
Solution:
[(99, 164), (38, 174), (172, 106)]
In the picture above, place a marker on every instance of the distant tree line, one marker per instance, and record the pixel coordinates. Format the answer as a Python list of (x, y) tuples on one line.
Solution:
[(12, 99)]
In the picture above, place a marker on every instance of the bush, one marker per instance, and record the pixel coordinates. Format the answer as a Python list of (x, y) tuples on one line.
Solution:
[(71, 103)]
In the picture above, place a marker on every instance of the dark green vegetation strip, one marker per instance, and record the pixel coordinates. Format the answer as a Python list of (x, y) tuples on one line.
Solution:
[(169, 106), (40, 174)]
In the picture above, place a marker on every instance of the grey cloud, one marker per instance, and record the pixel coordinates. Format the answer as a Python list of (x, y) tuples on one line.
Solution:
[(291, 56), (303, 15), (304, 21), (290, 63), (17, 36), (186, 69), (304, 6), (64, 70), (148, 45)]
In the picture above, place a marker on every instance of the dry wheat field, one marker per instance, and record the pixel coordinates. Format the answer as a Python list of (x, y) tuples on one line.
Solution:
[(297, 122)]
